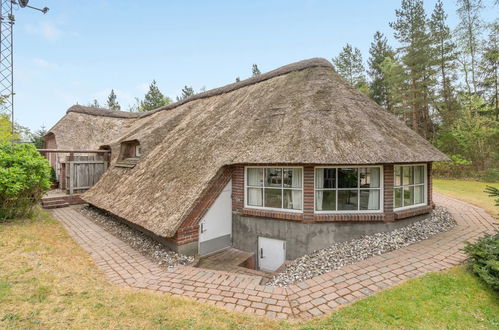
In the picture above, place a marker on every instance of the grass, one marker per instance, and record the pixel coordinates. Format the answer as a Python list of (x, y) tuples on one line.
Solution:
[(468, 191), (48, 281)]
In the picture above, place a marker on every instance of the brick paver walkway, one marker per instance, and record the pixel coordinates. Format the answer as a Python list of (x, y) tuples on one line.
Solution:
[(314, 297)]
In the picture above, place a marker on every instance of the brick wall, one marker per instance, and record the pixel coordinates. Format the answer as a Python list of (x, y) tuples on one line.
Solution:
[(189, 230), (308, 215)]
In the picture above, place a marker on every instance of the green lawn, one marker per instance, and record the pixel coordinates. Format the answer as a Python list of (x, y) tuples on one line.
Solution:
[(468, 191), (48, 281)]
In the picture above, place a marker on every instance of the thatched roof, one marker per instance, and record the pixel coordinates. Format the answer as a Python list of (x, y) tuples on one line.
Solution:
[(87, 128), (302, 113)]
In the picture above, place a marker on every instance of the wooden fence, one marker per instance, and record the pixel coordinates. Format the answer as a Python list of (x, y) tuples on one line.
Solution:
[(82, 172)]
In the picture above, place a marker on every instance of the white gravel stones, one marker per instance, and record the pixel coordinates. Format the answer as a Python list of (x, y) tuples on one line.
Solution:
[(344, 253), (139, 241)]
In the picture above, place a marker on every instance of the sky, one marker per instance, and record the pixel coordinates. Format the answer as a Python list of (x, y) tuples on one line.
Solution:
[(80, 50)]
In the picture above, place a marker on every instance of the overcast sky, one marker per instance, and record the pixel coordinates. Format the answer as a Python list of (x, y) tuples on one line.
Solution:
[(79, 50)]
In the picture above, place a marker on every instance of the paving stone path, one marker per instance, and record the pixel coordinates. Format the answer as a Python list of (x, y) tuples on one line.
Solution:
[(313, 297)]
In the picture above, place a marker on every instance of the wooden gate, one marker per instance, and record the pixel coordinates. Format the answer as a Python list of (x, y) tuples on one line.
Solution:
[(82, 172)]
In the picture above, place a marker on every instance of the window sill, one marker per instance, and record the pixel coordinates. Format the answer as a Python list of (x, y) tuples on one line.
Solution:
[(412, 212), (279, 215)]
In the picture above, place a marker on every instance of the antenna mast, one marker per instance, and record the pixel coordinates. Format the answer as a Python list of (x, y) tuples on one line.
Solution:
[(7, 21)]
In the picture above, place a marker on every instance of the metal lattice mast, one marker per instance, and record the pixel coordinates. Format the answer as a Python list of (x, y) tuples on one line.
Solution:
[(7, 59)]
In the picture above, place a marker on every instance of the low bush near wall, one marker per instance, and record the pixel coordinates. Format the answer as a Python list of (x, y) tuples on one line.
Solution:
[(484, 259), (24, 178)]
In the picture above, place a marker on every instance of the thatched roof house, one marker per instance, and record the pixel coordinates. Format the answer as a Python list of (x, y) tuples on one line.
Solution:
[(87, 128), (301, 116)]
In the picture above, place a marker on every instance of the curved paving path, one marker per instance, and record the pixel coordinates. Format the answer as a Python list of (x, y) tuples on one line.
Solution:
[(314, 297)]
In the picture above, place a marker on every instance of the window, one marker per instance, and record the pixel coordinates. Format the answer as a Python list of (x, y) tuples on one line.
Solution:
[(138, 151), (348, 189), (409, 187), (274, 188)]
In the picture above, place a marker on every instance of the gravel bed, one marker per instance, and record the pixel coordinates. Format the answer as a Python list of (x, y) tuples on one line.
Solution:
[(136, 239), (344, 253)]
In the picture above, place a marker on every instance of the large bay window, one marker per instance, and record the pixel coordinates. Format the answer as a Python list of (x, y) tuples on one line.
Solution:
[(348, 189), (274, 188), (409, 186)]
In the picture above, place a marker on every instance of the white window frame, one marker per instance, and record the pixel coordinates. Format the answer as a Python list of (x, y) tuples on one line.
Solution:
[(263, 188), (138, 151), (381, 191), (425, 187)]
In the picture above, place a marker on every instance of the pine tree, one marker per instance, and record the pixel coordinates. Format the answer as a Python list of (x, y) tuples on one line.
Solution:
[(444, 57), (94, 104), (153, 98), (469, 30), (187, 91), (348, 64), (411, 31), (255, 70), (112, 103), (378, 87), (396, 87), (490, 68)]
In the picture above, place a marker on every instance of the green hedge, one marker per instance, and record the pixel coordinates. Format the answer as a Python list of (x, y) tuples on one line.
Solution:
[(24, 178), (484, 259)]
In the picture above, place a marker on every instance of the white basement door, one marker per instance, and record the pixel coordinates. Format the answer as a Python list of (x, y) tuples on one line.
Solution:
[(271, 253), (215, 229)]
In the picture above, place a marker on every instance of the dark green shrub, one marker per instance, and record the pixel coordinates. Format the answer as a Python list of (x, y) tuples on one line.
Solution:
[(24, 178), (491, 175), (484, 259), (53, 176)]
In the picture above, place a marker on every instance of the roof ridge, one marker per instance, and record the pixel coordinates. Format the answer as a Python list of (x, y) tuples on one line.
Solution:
[(296, 66)]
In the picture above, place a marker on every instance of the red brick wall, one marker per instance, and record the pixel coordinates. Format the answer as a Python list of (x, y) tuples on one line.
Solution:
[(388, 182), (430, 184), (308, 215), (189, 230)]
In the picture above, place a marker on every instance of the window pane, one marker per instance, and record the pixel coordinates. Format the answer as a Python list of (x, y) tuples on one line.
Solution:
[(292, 177), (419, 194), (347, 178), (325, 178), (418, 174), (398, 175), (255, 196), (292, 199), (369, 199), (408, 175), (398, 197), (369, 177), (325, 200), (408, 196), (347, 199), (273, 177), (255, 177), (273, 198)]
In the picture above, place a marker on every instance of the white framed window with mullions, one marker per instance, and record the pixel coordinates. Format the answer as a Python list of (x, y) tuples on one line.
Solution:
[(353, 189), (410, 186), (274, 188)]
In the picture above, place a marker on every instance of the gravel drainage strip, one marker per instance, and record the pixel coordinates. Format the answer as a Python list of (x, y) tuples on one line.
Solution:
[(155, 251), (345, 253)]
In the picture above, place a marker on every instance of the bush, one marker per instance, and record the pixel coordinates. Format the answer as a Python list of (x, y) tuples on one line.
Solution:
[(484, 259), (24, 178), (491, 175)]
